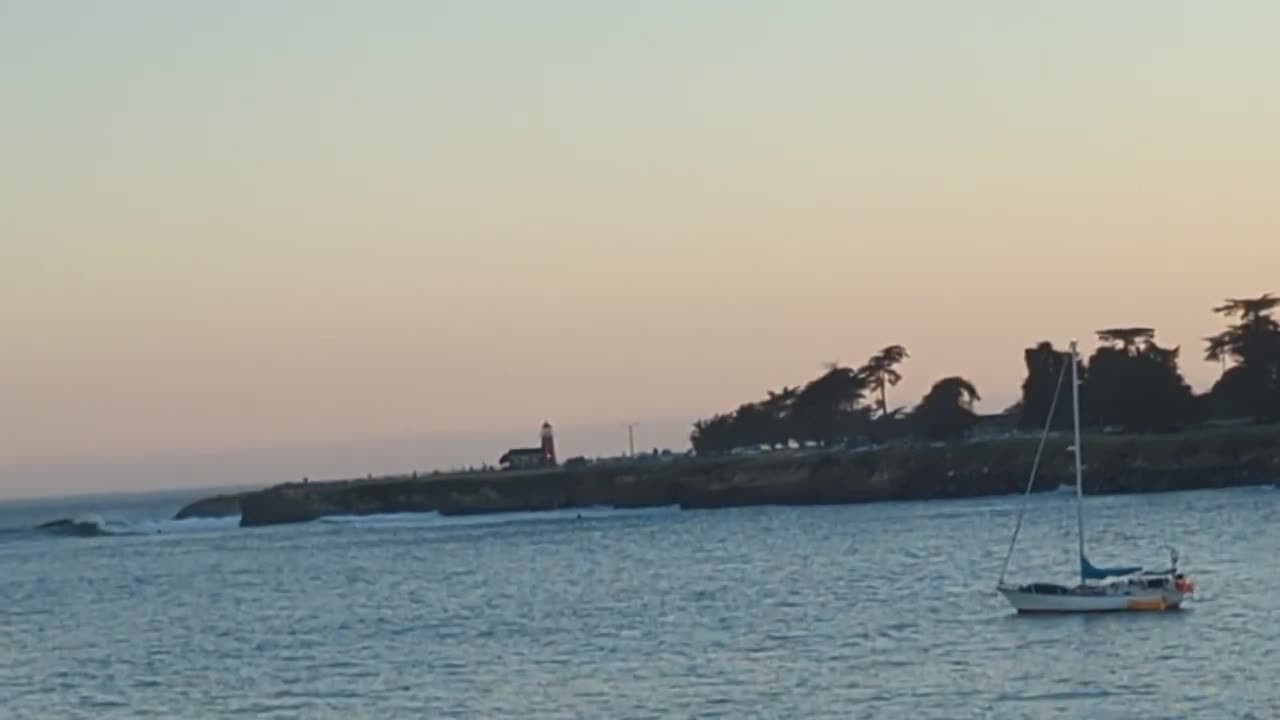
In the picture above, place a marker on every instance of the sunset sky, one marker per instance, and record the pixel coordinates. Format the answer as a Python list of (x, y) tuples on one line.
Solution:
[(242, 242)]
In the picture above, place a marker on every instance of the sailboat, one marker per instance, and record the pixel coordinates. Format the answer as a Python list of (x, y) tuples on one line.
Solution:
[(1101, 589)]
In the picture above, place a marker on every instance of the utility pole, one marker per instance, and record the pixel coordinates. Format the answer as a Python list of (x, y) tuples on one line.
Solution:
[(631, 437)]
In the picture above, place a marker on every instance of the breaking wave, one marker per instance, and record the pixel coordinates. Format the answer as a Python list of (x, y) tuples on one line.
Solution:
[(95, 526), (85, 526)]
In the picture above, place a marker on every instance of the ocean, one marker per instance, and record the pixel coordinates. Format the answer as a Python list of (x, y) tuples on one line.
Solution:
[(865, 611)]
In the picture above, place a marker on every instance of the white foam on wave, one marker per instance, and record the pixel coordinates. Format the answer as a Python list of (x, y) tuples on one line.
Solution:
[(93, 525), (383, 519), (188, 525), (434, 519)]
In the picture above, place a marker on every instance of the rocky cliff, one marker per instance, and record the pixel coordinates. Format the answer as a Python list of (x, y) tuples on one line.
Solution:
[(211, 507), (1000, 467)]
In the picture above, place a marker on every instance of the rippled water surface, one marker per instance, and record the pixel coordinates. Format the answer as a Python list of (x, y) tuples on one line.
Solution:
[(859, 611)]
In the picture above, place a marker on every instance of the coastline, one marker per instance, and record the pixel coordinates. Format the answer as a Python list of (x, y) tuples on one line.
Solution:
[(1114, 464)]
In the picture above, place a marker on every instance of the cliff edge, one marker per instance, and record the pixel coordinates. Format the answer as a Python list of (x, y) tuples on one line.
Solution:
[(211, 507), (1115, 464)]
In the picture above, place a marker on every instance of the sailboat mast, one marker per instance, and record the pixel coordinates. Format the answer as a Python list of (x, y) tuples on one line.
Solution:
[(1075, 412)]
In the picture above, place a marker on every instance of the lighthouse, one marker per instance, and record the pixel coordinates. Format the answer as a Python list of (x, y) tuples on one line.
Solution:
[(548, 444), (528, 458)]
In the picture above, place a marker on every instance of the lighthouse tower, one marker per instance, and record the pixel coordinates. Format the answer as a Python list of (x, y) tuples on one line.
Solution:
[(548, 444)]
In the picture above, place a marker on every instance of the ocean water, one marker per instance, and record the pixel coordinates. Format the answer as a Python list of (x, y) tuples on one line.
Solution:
[(871, 611)]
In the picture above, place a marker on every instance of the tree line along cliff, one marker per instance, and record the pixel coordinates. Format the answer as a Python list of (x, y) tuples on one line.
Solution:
[(1129, 384)]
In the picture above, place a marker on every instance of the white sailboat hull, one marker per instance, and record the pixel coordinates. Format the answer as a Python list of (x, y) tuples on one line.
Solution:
[(1117, 598)]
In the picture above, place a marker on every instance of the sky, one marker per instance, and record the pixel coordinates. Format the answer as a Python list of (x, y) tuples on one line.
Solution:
[(243, 242)]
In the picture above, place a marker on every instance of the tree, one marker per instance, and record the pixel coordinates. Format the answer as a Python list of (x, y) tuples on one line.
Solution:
[(779, 408), (881, 373), (946, 412), (827, 410), (713, 436), (1127, 339), (1134, 383), (751, 425), (1251, 387), (1045, 370)]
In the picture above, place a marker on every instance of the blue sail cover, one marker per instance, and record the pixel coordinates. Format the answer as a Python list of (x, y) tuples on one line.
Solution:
[(1089, 572)]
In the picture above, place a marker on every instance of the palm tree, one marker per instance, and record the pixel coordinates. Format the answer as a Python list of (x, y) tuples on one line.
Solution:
[(881, 373)]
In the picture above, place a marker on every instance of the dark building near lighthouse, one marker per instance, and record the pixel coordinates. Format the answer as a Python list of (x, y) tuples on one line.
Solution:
[(526, 458)]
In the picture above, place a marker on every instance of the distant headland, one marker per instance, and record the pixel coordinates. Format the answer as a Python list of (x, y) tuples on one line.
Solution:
[(1226, 457), (836, 440)]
